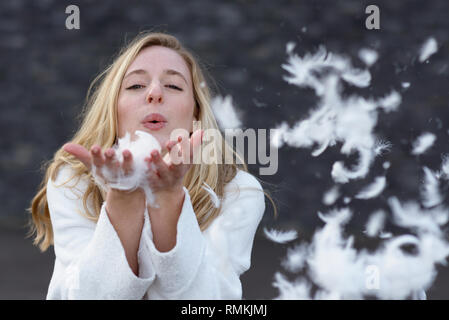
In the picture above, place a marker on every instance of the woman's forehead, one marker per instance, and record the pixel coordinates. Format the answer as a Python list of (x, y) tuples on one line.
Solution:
[(156, 59)]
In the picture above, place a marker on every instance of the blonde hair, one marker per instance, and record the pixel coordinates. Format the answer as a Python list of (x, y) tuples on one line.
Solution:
[(99, 126)]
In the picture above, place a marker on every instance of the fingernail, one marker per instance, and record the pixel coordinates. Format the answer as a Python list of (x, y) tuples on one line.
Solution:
[(154, 153)]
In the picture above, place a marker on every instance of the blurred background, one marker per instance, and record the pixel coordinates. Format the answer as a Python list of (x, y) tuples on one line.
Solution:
[(46, 69)]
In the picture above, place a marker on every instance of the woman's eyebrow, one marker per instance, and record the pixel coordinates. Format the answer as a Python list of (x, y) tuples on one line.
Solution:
[(166, 71), (176, 73), (138, 71)]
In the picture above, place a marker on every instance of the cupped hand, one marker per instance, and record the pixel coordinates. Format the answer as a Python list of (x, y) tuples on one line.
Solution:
[(166, 174), (96, 158)]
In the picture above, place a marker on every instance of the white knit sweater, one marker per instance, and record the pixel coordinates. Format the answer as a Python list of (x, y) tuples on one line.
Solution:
[(91, 263)]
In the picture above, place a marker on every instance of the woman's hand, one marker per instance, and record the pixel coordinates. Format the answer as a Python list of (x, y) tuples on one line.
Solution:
[(166, 174), (108, 159)]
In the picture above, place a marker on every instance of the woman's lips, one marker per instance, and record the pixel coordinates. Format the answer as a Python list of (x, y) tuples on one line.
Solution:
[(154, 125), (154, 121)]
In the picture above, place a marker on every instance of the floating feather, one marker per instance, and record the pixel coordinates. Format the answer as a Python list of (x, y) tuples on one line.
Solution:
[(216, 201), (430, 191), (281, 236), (427, 49), (375, 223), (331, 196), (368, 56), (423, 143), (374, 189), (225, 113)]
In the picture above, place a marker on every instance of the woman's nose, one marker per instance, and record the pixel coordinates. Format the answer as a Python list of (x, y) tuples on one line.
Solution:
[(155, 94)]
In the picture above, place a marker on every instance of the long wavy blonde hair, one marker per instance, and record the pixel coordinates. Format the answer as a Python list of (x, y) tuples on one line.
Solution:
[(99, 126)]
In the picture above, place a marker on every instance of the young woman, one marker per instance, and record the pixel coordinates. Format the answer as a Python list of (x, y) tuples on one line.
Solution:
[(109, 243)]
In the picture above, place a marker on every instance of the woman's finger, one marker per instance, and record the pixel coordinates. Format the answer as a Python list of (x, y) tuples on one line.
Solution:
[(151, 174), (80, 153), (170, 145), (161, 166), (111, 161), (127, 162), (183, 156), (175, 154), (97, 156)]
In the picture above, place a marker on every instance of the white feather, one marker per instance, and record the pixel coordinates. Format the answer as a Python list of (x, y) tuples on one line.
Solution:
[(298, 290), (331, 196), (280, 236), (374, 189), (225, 113), (423, 143), (385, 235), (391, 101), (410, 215), (444, 172), (140, 148), (430, 191), (375, 223), (216, 201), (368, 56), (296, 258), (427, 49), (290, 47)]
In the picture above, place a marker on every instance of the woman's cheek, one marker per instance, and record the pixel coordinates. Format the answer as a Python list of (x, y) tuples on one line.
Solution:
[(187, 111)]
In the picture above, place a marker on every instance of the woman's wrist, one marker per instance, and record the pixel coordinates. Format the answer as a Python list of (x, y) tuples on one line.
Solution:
[(125, 211), (171, 195), (164, 219), (126, 194), (133, 201), (169, 204)]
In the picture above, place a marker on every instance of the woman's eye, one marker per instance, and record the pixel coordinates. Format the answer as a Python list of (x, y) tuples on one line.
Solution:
[(174, 87), (136, 86)]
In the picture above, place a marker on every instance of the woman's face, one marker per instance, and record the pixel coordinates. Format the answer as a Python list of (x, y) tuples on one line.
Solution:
[(157, 83)]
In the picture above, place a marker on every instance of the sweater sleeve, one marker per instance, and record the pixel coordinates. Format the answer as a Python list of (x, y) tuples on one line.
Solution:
[(208, 265), (90, 259)]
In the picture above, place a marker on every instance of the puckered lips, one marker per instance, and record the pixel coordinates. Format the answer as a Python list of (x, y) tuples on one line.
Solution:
[(154, 121)]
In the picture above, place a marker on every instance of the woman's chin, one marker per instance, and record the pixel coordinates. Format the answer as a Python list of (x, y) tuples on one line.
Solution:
[(162, 143)]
